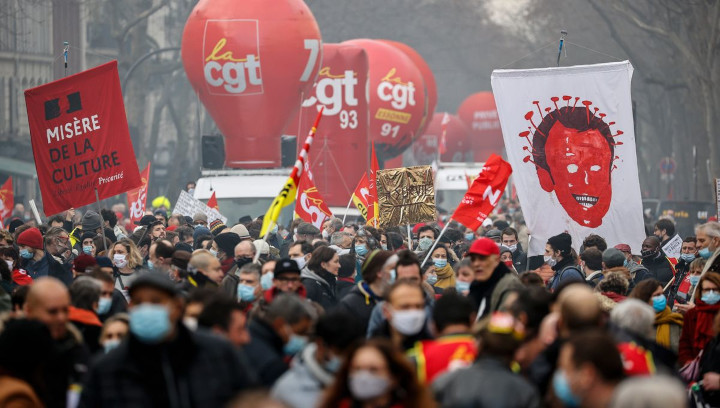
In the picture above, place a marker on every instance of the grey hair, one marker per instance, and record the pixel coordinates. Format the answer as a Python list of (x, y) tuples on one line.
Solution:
[(635, 316), (711, 229), (337, 237), (336, 224), (85, 292), (650, 392), (251, 268), (290, 308)]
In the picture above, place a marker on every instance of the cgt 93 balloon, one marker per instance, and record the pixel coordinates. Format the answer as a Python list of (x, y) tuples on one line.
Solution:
[(250, 63)]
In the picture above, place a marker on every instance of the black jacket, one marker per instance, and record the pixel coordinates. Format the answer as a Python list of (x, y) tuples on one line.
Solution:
[(192, 370), (265, 352), (710, 363), (343, 287), (520, 260), (660, 268), (320, 287), (66, 368), (360, 302)]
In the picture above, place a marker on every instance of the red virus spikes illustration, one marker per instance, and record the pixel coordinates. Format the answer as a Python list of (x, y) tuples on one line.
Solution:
[(527, 159), (595, 111), (529, 116), (537, 103), (611, 123), (587, 107), (531, 152), (567, 99), (555, 100), (547, 111), (619, 133), (576, 101), (602, 116), (617, 143), (526, 135), (613, 168)]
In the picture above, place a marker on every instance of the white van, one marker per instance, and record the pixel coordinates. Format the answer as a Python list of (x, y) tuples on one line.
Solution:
[(451, 184)]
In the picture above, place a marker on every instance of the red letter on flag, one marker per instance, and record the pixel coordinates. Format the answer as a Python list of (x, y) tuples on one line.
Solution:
[(484, 194)]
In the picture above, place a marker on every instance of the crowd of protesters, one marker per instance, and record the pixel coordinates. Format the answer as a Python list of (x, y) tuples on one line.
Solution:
[(182, 311)]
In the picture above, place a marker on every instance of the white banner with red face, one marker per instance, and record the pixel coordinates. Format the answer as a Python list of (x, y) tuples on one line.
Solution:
[(569, 137)]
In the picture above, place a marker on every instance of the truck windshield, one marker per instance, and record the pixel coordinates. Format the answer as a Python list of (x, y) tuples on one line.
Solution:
[(234, 208)]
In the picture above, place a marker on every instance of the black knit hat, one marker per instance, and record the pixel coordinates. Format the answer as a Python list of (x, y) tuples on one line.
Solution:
[(561, 242), (227, 242)]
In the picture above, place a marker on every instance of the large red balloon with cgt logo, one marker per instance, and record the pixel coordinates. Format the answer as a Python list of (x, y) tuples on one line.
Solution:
[(428, 78), (397, 97), (479, 113), (250, 64), (457, 141)]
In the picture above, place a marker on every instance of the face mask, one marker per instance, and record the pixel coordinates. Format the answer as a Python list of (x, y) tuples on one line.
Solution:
[(104, 305), (10, 264), (119, 260), (246, 292), (704, 253), (462, 286), (300, 261), (325, 234), (440, 263), (687, 257), (240, 262), (512, 248), (267, 281), (213, 252), (87, 250), (333, 365), (659, 303), (191, 323), (694, 279), (393, 276), (361, 250), (150, 323), (294, 345), (431, 279), (509, 264), (150, 265), (549, 260), (110, 345), (626, 263), (647, 253), (25, 254), (425, 243), (274, 229), (365, 385), (711, 297), (469, 237), (563, 391), (384, 247), (408, 322)]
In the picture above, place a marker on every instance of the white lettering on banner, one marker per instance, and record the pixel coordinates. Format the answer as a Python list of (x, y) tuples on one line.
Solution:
[(673, 248), (189, 206), (114, 177), (137, 208), (399, 95), (493, 195), (232, 75), (336, 92), (69, 130)]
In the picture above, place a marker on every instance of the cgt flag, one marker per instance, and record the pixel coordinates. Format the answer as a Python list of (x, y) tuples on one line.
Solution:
[(7, 201), (80, 139), (212, 202), (310, 206), (373, 211), (137, 198), (361, 196), (484, 194)]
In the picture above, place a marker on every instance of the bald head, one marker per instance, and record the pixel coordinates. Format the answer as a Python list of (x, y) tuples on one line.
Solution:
[(579, 309), (245, 249), (48, 301)]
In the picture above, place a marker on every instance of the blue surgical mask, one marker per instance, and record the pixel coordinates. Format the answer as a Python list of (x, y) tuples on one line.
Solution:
[(104, 305), (694, 279), (294, 345), (267, 281), (626, 263), (431, 279), (393, 276), (333, 365), (384, 247), (659, 303), (361, 250), (687, 257), (439, 262), (213, 252), (88, 249), (711, 297), (425, 243), (246, 292), (462, 286), (705, 253), (563, 391), (150, 323), (25, 254), (110, 345), (469, 237), (150, 265)]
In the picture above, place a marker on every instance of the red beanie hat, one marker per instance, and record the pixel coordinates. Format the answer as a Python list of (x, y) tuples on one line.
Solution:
[(31, 237)]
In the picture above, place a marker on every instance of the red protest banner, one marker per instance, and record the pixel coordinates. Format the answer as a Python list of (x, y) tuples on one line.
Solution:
[(137, 198), (7, 201), (80, 139), (484, 194), (361, 196), (212, 202), (373, 207), (310, 206)]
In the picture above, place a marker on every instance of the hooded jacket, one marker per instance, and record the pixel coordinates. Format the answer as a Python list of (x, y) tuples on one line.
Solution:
[(320, 287), (303, 384)]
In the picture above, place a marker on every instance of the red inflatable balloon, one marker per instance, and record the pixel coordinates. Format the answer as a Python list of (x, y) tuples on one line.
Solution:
[(457, 141), (428, 77), (397, 100), (250, 63), (479, 113)]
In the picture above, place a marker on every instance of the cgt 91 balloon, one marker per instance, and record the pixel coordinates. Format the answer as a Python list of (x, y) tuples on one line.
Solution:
[(250, 62), (397, 97), (479, 113)]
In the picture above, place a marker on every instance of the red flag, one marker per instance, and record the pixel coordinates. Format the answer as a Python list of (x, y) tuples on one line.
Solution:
[(469, 179), (484, 194), (373, 208), (80, 139), (138, 198), (212, 202), (310, 206), (7, 201), (442, 146), (361, 195)]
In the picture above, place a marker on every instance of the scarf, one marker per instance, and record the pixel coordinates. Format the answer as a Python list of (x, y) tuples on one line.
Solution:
[(663, 320), (483, 290), (446, 277), (705, 314)]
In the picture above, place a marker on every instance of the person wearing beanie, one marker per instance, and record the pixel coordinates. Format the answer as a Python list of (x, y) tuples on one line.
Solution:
[(200, 235), (32, 254), (87, 244), (558, 254), (242, 232), (82, 263), (200, 219), (91, 222), (217, 227), (223, 247)]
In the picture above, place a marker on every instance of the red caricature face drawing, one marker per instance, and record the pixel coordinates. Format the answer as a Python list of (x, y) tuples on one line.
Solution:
[(573, 153)]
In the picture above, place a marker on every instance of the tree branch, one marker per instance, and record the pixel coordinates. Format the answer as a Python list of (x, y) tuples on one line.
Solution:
[(142, 16)]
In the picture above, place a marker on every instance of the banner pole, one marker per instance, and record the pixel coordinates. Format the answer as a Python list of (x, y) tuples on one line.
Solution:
[(102, 221), (347, 208), (432, 248), (66, 49), (35, 212), (410, 247)]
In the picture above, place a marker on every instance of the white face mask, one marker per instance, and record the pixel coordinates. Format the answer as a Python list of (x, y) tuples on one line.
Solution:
[(365, 385), (408, 322), (325, 234), (120, 260), (191, 323), (10, 265), (300, 261)]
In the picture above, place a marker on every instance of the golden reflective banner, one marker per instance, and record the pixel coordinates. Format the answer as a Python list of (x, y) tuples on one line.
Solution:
[(406, 196)]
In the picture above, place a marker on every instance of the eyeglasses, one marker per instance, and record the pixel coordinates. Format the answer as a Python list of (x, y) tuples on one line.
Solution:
[(288, 280)]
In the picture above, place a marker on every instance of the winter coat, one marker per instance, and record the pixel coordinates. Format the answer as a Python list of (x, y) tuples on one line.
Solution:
[(343, 286), (320, 287), (360, 302), (565, 271), (660, 267), (48, 266), (303, 384), (265, 352), (192, 370)]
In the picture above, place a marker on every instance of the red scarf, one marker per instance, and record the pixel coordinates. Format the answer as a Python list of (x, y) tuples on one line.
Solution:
[(705, 314)]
